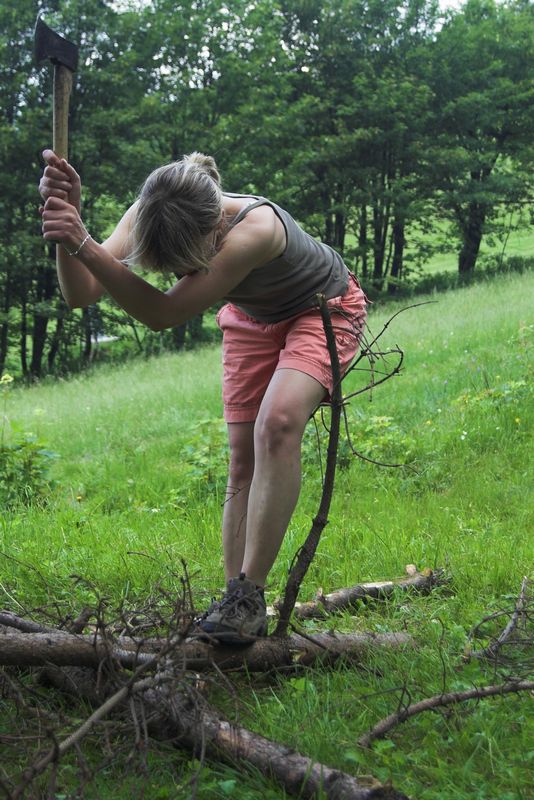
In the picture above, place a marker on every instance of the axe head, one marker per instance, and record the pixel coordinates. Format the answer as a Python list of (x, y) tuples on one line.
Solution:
[(49, 44)]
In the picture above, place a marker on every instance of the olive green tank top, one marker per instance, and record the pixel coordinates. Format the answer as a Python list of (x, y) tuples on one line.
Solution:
[(288, 284)]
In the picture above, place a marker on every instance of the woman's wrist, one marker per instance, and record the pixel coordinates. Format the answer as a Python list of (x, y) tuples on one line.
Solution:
[(77, 250)]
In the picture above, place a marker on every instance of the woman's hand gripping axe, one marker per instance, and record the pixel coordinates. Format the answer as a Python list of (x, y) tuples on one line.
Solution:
[(64, 56)]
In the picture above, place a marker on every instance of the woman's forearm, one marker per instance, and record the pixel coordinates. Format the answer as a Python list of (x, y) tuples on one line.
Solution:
[(138, 298), (78, 285)]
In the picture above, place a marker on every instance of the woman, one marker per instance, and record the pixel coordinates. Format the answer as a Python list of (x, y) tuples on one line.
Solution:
[(250, 252)]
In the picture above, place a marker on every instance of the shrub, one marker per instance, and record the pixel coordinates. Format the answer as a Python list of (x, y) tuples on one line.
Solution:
[(24, 462)]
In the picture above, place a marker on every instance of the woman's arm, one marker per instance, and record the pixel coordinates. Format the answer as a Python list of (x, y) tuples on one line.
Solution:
[(78, 285), (248, 246)]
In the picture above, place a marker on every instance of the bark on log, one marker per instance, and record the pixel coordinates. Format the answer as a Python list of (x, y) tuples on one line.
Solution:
[(63, 649), (345, 598), (171, 713), (60, 649), (202, 730), (284, 653), (10, 620)]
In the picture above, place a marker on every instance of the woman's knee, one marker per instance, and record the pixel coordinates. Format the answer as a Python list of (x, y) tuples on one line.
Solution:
[(278, 429)]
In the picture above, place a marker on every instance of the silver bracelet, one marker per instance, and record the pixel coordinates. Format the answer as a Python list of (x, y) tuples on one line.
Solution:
[(75, 253)]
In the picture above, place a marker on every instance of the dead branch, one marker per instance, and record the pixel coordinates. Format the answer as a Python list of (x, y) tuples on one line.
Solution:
[(299, 775), (307, 551), (395, 371), (439, 700), (491, 652), (174, 712), (56, 752), (388, 323), (11, 620), (73, 740), (60, 649), (342, 599), (64, 649)]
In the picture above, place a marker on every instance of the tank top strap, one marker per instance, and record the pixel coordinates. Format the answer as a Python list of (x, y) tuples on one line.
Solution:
[(260, 201)]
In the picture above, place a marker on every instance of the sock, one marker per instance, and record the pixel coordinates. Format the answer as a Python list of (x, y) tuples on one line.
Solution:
[(260, 589)]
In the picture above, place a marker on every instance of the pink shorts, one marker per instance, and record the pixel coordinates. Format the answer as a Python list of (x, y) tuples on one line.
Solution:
[(254, 350)]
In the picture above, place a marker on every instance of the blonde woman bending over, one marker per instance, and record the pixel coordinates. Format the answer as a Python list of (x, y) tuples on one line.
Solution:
[(249, 252)]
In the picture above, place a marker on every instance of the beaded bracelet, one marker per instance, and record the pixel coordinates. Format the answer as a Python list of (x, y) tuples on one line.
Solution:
[(75, 253)]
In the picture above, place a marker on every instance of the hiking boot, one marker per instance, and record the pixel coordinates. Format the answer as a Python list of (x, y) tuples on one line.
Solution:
[(239, 617)]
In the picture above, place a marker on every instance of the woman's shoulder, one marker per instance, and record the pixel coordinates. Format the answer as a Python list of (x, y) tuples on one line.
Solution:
[(257, 221)]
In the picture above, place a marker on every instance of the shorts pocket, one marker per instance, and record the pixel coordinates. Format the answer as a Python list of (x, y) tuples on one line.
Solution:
[(219, 315)]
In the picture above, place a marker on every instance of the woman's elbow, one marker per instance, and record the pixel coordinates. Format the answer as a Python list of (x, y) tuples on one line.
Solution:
[(81, 299), (160, 325), (73, 303)]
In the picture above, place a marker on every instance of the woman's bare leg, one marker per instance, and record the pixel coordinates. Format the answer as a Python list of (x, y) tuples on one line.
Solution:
[(289, 401), (240, 472)]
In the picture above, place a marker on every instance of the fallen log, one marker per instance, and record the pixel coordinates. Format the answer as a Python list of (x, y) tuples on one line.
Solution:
[(201, 730), (342, 599), (10, 620), (174, 713), (64, 649), (59, 649)]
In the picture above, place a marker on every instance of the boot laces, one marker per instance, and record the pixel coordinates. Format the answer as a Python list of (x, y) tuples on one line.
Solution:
[(237, 599)]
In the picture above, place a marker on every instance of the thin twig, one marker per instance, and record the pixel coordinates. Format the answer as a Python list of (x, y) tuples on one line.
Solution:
[(439, 700), (59, 749), (492, 650)]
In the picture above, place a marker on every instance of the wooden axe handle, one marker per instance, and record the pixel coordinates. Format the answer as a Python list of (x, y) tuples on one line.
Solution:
[(62, 89)]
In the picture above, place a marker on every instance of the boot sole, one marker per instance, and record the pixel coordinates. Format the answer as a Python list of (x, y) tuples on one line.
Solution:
[(229, 636)]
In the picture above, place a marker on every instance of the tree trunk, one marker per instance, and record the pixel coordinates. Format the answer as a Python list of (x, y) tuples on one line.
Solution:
[(54, 345), (472, 224), (194, 327), (339, 231), (381, 213), (328, 237), (472, 237), (201, 728), (87, 335), (178, 714), (4, 330), (61, 648), (352, 596), (23, 335), (399, 243), (46, 285), (362, 240), (178, 336)]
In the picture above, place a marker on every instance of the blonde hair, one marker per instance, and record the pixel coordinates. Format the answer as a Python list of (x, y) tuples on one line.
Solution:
[(179, 205)]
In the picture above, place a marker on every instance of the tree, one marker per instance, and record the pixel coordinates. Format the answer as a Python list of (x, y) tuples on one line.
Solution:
[(483, 98)]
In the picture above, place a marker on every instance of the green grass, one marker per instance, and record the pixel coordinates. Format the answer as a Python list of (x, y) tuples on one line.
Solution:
[(138, 487)]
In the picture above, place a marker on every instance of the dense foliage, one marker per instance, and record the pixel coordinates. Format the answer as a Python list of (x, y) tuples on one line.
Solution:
[(373, 121)]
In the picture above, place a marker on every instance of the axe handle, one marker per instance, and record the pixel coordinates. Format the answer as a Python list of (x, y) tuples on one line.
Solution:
[(62, 89)]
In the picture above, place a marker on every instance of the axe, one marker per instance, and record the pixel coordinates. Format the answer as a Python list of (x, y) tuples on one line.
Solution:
[(64, 56)]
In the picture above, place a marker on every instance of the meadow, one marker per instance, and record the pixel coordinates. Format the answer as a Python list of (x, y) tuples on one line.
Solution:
[(138, 483)]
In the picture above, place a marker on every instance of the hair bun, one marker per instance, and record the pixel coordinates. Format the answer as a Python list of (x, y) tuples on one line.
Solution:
[(205, 164)]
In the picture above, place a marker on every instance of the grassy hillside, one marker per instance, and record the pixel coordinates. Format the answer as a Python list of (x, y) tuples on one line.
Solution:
[(139, 479)]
